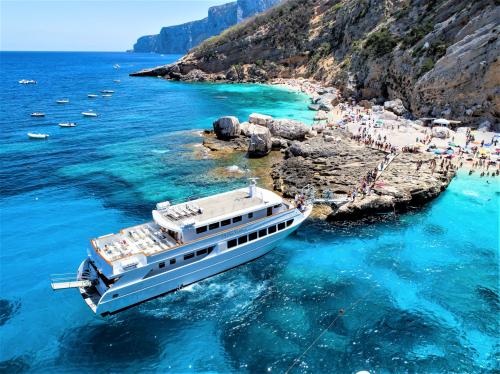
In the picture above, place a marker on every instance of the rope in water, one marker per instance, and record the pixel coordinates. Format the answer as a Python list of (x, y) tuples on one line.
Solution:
[(341, 313)]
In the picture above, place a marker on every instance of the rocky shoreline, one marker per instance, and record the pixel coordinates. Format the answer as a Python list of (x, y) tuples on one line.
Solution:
[(329, 161)]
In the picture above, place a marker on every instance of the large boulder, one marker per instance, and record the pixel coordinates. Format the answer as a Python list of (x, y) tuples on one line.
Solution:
[(259, 119), (396, 107), (247, 128), (440, 132), (227, 127), (288, 129), (261, 142)]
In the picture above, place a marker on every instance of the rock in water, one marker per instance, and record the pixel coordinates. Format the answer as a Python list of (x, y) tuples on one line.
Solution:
[(396, 107), (260, 142), (440, 132), (260, 119), (288, 129), (227, 127)]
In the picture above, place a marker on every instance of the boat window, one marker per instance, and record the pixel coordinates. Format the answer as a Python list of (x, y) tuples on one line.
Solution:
[(237, 219), (232, 243), (270, 211), (252, 236), (115, 296), (225, 222), (289, 222), (271, 229), (188, 256), (281, 225), (262, 233), (242, 239), (276, 206), (172, 261), (250, 215), (161, 265), (201, 252), (201, 229), (213, 226)]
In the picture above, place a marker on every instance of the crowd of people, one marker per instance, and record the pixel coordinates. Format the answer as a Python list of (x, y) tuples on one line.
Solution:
[(380, 143)]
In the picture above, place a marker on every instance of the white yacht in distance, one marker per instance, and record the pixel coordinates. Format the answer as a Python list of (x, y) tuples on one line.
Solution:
[(183, 244)]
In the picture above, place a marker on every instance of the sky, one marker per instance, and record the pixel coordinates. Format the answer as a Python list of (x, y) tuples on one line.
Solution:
[(90, 25)]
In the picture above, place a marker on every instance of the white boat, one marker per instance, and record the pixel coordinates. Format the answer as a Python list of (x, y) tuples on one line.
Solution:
[(183, 244), (67, 124), (116, 66), (116, 80), (92, 96), (107, 91), (27, 81), (37, 114), (32, 135), (62, 101), (89, 113), (107, 95)]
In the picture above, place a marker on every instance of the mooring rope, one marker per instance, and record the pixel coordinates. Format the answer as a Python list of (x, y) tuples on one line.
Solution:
[(341, 313)]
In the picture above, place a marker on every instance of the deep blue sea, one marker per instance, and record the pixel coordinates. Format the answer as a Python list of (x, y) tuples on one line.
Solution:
[(419, 291)]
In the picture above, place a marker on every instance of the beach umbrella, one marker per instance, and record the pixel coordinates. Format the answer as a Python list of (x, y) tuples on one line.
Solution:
[(441, 121)]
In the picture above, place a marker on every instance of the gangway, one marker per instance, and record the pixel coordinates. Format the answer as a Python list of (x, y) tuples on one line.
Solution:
[(65, 281)]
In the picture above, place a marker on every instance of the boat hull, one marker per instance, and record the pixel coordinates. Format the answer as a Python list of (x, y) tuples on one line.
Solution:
[(123, 297)]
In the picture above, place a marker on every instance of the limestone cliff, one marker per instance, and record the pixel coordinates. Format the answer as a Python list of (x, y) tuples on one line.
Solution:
[(181, 38), (439, 56)]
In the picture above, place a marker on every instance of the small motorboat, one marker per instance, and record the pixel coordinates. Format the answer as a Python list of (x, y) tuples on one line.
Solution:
[(89, 113), (116, 66), (107, 95), (68, 124), (27, 81), (92, 96), (62, 101), (33, 135), (107, 91), (37, 114), (116, 80)]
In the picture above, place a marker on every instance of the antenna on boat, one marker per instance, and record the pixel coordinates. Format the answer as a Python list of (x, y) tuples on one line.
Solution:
[(252, 186)]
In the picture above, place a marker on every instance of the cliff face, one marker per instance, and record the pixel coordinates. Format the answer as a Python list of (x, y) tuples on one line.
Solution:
[(181, 38), (439, 56)]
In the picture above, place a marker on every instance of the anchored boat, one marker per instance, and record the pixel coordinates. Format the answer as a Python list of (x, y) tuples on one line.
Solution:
[(62, 101), (37, 114), (67, 124), (89, 113), (183, 244), (33, 135), (92, 96)]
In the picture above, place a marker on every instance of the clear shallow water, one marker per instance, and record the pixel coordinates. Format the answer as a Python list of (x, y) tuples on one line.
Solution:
[(420, 292)]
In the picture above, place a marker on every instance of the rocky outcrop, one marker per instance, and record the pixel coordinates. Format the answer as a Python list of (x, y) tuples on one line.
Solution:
[(226, 128), (181, 38), (338, 166), (440, 58)]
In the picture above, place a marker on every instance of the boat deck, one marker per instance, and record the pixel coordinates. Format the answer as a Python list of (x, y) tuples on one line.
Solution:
[(216, 207), (148, 238)]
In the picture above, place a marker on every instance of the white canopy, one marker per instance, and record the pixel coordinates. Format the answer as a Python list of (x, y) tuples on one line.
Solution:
[(441, 121)]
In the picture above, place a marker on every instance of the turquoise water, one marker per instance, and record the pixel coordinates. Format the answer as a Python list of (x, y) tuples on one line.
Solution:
[(419, 291)]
